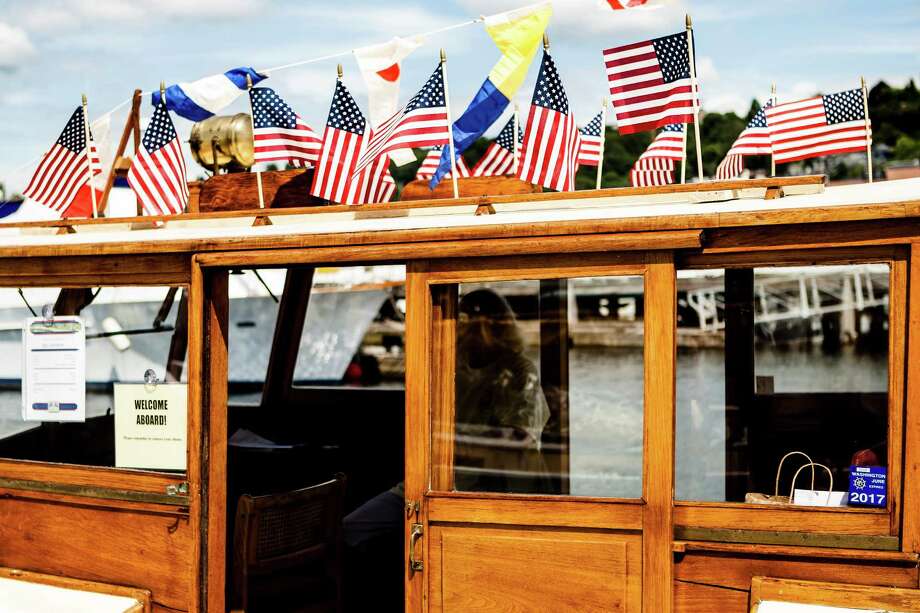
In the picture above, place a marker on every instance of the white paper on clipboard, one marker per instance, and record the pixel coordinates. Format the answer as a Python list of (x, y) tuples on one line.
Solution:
[(54, 369)]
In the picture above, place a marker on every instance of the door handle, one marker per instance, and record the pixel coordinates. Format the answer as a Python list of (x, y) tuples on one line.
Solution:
[(415, 565)]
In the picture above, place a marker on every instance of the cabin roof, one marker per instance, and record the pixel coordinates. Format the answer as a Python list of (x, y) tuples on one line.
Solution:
[(727, 204)]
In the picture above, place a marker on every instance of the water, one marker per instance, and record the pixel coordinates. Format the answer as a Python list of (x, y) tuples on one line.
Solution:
[(606, 416)]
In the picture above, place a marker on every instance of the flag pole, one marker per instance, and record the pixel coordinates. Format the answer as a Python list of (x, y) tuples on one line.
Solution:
[(683, 160), (89, 158), (252, 126), (450, 126), (865, 97), (514, 138), (696, 105), (600, 160), (772, 156)]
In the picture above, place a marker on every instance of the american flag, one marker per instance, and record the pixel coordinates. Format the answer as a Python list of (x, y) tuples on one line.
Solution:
[(650, 83), (551, 138), (818, 126), (754, 140), (372, 185), (422, 123), (433, 160), (589, 149), (656, 165), (499, 157), (279, 134), (66, 166), (342, 145), (157, 173)]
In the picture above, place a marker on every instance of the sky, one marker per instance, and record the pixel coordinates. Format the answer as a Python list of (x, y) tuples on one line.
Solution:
[(51, 51)]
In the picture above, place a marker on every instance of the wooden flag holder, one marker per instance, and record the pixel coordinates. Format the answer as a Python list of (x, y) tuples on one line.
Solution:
[(121, 164)]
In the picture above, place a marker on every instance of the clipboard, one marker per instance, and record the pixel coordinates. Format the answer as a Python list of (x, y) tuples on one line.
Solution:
[(54, 369)]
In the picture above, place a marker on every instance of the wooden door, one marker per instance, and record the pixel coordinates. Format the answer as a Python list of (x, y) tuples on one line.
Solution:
[(587, 527)]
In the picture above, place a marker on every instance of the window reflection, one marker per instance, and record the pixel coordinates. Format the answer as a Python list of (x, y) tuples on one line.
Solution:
[(774, 360), (549, 387)]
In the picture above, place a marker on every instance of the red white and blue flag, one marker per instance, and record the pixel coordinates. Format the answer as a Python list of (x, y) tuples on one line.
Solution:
[(498, 159), (754, 140), (589, 149), (823, 125), (65, 168), (551, 138), (656, 165), (650, 83), (279, 134), (343, 141), (422, 123), (158, 173), (431, 162)]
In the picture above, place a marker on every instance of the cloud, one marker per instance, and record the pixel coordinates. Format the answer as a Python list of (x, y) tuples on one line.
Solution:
[(15, 46), (588, 18), (48, 16)]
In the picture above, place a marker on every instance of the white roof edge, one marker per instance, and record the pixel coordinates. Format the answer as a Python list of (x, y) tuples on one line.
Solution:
[(462, 215)]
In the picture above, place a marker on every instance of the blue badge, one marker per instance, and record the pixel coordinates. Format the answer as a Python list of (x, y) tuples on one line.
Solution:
[(868, 486)]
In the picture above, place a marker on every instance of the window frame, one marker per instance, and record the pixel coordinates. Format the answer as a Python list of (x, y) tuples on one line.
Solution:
[(449, 274), (869, 528), (114, 485)]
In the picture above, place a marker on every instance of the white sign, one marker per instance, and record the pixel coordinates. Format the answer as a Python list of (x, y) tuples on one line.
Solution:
[(150, 425), (54, 369)]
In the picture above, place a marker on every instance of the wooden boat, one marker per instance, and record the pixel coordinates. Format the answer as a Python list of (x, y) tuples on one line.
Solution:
[(569, 543)]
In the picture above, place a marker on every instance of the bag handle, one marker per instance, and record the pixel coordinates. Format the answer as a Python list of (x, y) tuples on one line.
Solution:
[(813, 464), (779, 470)]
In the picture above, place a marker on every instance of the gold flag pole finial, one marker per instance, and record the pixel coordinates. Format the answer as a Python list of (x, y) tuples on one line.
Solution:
[(248, 81), (443, 56), (546, 42), (341, 73), (84, 100), (163, 92), (689, 21)]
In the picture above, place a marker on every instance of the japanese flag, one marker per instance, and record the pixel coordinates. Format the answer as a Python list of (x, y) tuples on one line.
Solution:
[(619, 5), (380, 67)]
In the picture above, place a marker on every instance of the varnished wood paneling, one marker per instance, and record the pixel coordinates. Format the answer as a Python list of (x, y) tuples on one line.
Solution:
[(89, 271), (457, 270), (910, 531), (733, 571), (897, 338), (763, 517), (592, 243), (793, 257), (696, 598), (418, 416), (214, 322), (240, 191), (137, 549), (791, 551), (467, 187), (535, 511), (833, 595), (89, 476), (658, 447), (492, 569)]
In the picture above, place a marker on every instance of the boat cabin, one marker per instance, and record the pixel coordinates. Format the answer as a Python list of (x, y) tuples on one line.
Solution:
[(637, 400)]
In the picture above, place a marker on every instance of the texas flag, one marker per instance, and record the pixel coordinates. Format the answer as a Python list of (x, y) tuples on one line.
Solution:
[(380, 67), (619, 5)]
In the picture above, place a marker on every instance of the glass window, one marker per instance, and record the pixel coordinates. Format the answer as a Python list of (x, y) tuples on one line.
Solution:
[(128, 331), (548, 387), (254, 297), (776, 360)]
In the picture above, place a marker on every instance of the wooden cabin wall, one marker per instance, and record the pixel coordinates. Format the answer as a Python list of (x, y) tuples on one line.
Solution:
[(131, 544), (711, 582)]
